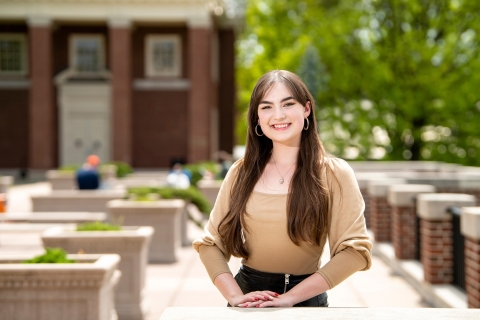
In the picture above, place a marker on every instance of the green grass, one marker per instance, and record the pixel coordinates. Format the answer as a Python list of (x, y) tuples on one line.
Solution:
[(98, 226), (52, 255)]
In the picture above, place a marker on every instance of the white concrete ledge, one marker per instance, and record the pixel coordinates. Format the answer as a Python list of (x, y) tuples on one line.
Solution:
[(434, 206), (402, 195), (470, 222), (316, 313), (379, 188)]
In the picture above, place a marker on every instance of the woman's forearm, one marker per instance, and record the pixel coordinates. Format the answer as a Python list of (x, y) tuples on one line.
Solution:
[(228, 287), (308, 288)]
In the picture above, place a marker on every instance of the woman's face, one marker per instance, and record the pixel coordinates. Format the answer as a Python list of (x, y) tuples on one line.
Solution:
[(281, 117)]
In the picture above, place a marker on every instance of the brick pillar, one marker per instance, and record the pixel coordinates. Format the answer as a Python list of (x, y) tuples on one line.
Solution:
[(199, 105), (380, 210), (42, 139), (436, 234), (121, 108), (470, 228), (404, 218)]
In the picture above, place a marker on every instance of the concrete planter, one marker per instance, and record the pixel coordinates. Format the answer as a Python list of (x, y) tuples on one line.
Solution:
[(5, 183), (75, 200), (210, 189), (131, 243), (76, 291), (164, 216), (54, 217)]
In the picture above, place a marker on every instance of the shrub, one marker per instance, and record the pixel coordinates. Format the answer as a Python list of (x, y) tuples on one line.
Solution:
[(198, 169), (123, 168), (52, 255), (192, 194), (98, 226)]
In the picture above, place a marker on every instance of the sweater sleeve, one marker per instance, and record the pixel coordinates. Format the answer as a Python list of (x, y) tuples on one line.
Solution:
[(210, 245), (350, 247)]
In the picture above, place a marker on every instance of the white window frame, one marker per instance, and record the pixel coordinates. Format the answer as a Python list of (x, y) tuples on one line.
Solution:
[(150, 71), (24, 58), (73, 53)]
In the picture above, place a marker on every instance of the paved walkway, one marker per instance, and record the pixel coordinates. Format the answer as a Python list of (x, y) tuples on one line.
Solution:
[(186, 283)]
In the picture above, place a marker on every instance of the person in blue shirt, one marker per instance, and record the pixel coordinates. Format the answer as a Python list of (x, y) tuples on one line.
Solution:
[(88, 177)]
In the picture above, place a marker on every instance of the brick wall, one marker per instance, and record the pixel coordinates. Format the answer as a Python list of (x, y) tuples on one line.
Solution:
[(404, 232), (380, 221), (366, 213), (472, 192), (472, 271), (437, 251)]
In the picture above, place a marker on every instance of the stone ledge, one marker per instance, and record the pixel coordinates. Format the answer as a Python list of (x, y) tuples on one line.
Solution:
[(316, 313), (439, 296), (470, 222), (379, 188), (402, 195), (434, 206)]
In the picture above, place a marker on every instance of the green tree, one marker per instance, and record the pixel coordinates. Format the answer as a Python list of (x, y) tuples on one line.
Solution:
[(403, 74)]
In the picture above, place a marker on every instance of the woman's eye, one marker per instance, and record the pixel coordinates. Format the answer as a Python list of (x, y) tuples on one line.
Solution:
[(289, 104), (265, 107)]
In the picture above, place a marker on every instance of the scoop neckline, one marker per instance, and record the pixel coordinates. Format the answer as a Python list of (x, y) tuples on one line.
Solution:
[(271, 194)]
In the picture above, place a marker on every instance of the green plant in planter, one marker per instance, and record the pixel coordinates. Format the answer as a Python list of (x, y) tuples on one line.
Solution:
[(123, 168), (192, 194), (98, 226), (52, 255)]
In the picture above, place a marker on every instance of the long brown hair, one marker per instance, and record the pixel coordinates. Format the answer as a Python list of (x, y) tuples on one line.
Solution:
[(308, 200)]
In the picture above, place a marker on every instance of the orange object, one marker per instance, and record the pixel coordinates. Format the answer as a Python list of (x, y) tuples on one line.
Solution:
[(93, 160), (3, 199)]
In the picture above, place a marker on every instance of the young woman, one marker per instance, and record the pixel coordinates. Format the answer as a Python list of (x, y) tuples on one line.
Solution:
[(279, 204)]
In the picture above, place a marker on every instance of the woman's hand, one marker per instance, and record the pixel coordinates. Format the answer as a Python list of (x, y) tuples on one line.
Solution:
[(279, 301), (252, 299)]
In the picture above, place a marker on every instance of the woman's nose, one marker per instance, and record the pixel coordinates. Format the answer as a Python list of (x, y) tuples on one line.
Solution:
[(279, 114)]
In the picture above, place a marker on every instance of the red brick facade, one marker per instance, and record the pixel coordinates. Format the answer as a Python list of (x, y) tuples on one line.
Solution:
[(42, 142), (404, 235), (380, 218), (437, 251), (472, 271), (120, 65)]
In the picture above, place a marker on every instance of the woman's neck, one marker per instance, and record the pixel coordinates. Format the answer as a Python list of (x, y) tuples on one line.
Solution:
[(284, 155)]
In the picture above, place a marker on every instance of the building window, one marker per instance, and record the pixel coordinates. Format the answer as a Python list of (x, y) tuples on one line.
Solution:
[(87, 53), (163, 56), (13, 54)]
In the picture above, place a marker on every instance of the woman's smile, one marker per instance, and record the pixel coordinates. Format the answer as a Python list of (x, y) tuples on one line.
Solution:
[(281, 126)]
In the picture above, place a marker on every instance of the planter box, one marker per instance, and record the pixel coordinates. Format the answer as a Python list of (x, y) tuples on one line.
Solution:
[(74, 291), (75, 200), (210, 189), (131, 244), (54, 217), (5, 183), (164, 216)]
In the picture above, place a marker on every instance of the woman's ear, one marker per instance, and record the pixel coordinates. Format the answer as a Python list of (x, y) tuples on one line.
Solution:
[(308, 108)]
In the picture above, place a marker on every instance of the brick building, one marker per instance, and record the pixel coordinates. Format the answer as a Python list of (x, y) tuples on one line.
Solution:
[(141, 81)]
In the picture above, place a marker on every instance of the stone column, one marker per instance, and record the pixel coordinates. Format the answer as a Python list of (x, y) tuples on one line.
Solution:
[(470, 228), (42, 138), (380, 211), (363, 178), (200, 100), (401, 199), (120, 63), (437, 235)]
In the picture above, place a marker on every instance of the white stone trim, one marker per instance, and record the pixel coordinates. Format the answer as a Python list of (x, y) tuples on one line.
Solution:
[(14, 83), (434, 206), (402, 195), (379, 188), (119, 22), (39, 21), (470, 222), (161, 85)]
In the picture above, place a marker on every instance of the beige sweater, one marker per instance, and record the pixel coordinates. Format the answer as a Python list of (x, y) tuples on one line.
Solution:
[(271, 249)]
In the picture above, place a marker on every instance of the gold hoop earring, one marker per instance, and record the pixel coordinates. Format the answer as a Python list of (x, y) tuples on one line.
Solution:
[(257, 131), (308, 124)]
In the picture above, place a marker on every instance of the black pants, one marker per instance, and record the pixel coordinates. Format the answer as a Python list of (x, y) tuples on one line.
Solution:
[(253, 280)]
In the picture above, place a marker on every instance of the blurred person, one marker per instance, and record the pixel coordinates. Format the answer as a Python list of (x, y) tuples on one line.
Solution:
[(278, 206), (177, 178), (88, 177), (225, 161)]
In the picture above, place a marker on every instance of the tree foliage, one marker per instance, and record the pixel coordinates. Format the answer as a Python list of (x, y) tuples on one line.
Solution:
[(394, 79)]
